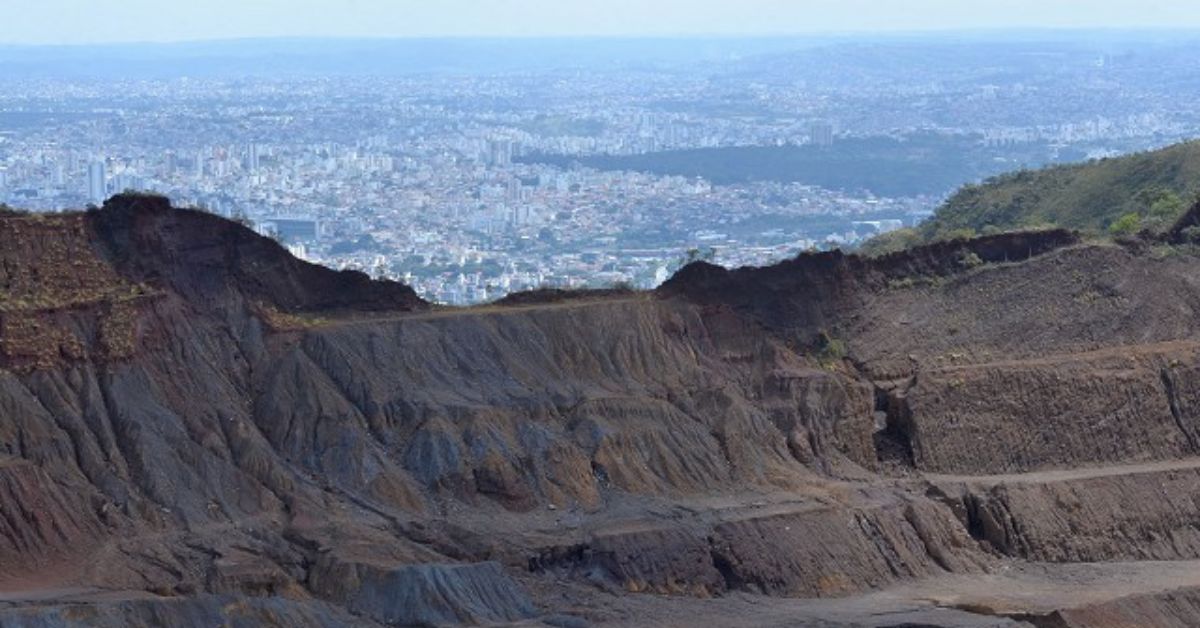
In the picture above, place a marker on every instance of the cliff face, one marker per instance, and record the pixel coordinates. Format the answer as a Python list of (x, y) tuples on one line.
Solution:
[(197, 428)]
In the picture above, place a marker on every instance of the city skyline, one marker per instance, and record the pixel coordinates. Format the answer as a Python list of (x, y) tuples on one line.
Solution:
[(56, 22), (483, 176)]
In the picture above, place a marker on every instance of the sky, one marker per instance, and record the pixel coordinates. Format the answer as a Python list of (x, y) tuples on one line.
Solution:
[(105, 21)]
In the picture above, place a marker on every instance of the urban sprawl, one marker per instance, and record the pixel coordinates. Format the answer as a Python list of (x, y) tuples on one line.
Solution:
[(429, 179)]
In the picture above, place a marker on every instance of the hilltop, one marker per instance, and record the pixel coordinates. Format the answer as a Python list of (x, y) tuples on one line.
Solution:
[(1144, 193), (197, 429), (1090, 196)]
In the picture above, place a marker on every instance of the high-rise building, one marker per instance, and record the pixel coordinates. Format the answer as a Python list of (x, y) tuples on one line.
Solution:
[(500, 152), (97, 182), (292, 229), (126, 181), (821, 133)]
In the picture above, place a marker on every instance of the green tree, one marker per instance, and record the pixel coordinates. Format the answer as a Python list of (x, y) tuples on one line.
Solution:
[(1164, 211), (1127, 224)]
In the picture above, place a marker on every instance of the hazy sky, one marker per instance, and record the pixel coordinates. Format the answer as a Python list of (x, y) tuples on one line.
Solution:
[(79, 21)]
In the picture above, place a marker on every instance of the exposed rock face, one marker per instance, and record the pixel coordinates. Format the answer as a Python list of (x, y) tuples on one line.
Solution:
[(838, 551), (1170, 609), (1142, 513), (196, 428), (817, 292), (203, 610), (203, 257), (423, 594), (1126, 405), (44, 521)]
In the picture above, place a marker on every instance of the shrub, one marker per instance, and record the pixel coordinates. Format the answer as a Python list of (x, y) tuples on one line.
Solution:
[(830, 350), (1164, 211), (962, 233), (1127, 224), (242, 219), (969, 260), (622, 286), (706, 254), (1191, 234), (890, 242)]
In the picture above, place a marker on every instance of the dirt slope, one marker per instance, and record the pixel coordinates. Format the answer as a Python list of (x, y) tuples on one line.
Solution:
[(196, 428)]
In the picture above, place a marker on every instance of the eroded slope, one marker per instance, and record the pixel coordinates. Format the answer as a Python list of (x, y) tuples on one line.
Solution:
[(323, 449)]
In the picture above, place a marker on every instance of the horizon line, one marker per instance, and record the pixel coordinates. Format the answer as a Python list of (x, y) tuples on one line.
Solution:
[(599, 37)]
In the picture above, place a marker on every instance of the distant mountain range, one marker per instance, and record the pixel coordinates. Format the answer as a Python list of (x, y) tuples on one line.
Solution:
[(809, 57), (375, 57)]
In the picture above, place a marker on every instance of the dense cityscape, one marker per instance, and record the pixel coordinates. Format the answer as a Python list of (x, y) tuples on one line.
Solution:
[(471, 185)]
